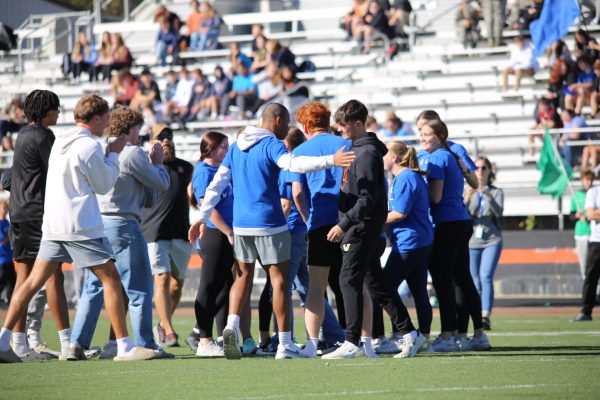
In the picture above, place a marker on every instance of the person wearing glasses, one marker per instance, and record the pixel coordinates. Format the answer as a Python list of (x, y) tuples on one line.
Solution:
[(485, 205)]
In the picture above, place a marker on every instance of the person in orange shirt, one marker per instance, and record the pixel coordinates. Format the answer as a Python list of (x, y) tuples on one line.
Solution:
[(193, 24)]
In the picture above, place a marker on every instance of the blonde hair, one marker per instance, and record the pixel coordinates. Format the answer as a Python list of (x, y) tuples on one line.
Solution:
[(407, 155)]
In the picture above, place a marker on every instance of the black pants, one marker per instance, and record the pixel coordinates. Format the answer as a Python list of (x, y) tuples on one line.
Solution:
[(80, 67), (8, 279), (265, 307), (216, 279), (449, 268), (358, 269), (378, 329), (592, 274), (334, 285)]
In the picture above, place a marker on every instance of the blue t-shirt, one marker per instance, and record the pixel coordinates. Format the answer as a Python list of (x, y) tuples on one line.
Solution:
[(409, 195), (255, 176), (203, 175), (6, 253), (295, 222), (243, 83), (322, 187), (576, 122), (456, 148), (442, 165)]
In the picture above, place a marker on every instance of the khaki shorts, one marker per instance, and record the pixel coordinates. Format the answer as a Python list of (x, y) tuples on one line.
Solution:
[(269, 250), (170, 256)]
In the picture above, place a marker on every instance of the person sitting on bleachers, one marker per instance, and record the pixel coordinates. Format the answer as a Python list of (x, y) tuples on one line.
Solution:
[(243, 93), (399, 16), (522, 63), (269, 84), (171, 86), (395, 127), (164, 12), (577, 95), (467, 24), (167, 42), (494, 15), (571, 123), (376, 22), (595, 95), (120, 54), (355, 18), (178, 104), (200, 102), (104, 61), (280, 54), (586, 45), (147, 98), (193, 26), (590, 153), (83, 58), (260, 56), (562, 71), (236, 57), (15, 120), (294, 92), (546, 117), (221, 87), (210, 24), (123, 87)]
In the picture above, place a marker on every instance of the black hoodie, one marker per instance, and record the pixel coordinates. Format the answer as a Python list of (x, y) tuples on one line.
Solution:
[(363, 198)]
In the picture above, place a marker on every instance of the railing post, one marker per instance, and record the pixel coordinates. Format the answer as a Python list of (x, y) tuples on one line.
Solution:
[(126, 10)]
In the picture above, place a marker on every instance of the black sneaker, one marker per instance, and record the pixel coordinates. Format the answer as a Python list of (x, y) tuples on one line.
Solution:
[(582, 317), (192, 341), (487, 324)]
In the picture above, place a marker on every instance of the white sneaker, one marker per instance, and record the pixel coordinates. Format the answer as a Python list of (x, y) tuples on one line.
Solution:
[(346, 350), (388, 346), (411, 345), (42, 348), (231, 344), (289, 351), (209, 350), (441, 345), (109, 351), (480, 343)]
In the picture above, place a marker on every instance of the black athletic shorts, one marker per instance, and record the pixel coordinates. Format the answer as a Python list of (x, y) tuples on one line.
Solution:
[(321, 252), (25, 238)]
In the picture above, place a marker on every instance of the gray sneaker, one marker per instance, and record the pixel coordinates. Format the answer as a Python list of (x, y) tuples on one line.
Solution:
[(161, 354), (43, 349), (109, 351), (32, 356), (92, 352), (480, 343), (389, 346), (139, 354), (9, 357), (75, 352), (231, 344)]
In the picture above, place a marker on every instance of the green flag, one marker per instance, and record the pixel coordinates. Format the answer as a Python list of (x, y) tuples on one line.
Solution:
[(554, 178)]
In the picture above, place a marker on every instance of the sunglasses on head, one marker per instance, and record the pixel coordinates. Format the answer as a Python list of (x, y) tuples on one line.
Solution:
[(165, 134), (481, 167)]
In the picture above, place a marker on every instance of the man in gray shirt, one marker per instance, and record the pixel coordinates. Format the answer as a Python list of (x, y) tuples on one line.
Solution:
[(140, 178)]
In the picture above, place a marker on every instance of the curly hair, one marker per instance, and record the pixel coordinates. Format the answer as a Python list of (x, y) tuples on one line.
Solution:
[(314, 116), (39, 103), (122, 119)]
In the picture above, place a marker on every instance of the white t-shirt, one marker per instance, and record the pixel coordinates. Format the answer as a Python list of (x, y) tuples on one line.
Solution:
[(592, 200)]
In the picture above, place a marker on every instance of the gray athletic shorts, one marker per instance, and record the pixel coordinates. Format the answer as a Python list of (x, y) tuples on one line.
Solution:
[(170, 256), (81, 253), (269, 250)]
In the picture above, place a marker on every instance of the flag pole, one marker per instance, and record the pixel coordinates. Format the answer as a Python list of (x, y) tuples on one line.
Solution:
[(558, 158)]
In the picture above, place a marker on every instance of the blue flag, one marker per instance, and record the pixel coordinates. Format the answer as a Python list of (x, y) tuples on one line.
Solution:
[(554, 22)]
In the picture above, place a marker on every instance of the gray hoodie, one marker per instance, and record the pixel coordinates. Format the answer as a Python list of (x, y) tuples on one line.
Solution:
[(136, 174)]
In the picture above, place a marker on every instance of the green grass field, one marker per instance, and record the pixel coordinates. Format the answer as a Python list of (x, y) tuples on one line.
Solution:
[(533, 357)]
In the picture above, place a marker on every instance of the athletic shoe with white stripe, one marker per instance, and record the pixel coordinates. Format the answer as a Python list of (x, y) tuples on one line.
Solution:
[(441, 345), (346, 350), (289, 351), (480, 343), (210, 350), (231, 344), (411, 345), (463, 343), (388, 346)]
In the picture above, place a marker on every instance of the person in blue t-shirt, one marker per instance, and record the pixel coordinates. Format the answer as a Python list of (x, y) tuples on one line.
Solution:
[(577, 94), (571, 124), (216, 246), (316, 195), (467, 167), (449, 260), (259, 224), (8, 277), (411, 231), (244, 92)]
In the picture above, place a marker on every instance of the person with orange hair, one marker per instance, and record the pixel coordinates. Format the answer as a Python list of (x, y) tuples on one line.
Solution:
[(316, 197)]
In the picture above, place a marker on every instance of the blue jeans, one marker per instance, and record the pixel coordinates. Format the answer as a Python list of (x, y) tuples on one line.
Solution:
[(198, 41), (483, 265), (133, 264)]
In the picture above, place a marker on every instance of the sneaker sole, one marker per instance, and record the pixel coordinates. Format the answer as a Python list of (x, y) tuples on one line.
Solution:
[(230, 345)]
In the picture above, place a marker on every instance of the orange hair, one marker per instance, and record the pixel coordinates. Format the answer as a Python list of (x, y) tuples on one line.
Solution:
[(314, 116)]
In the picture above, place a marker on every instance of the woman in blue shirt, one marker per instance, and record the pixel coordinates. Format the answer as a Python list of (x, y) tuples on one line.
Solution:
[(449, 262), (411, 231), (216, 246)]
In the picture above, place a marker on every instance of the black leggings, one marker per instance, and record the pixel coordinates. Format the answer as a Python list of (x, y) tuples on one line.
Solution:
[(449, 268), (216, 279), (334, 284), (265, 307)]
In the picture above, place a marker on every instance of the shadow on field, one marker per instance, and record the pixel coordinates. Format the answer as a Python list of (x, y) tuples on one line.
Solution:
[(536, 351)]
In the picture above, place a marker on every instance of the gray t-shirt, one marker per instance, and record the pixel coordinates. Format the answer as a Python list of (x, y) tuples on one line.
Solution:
[(138, 179), (485, 214)]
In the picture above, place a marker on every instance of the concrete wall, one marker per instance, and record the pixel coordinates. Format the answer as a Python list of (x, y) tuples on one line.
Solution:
[(13, 12)]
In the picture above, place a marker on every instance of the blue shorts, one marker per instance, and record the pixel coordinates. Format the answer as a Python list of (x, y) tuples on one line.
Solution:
[(81, 253)]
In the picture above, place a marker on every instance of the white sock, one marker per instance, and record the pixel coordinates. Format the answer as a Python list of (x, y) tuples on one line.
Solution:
[(5, 339), (64, 336), (19, 341), (233, 321), (367, 346), (311, 346), (196, 330), (124, 347), (34, 338), (285, 338)]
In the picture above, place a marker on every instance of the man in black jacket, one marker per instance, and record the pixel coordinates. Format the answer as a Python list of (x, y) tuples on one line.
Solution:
[(363, 212)]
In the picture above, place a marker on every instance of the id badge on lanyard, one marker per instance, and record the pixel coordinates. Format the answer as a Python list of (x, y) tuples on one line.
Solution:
[(478, 232)]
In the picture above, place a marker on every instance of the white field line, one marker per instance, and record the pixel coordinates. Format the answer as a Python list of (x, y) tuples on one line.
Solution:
[(561, 333), (380, 392)]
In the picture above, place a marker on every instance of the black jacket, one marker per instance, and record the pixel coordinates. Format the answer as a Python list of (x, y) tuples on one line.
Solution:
[(363, 199), (26, 180)]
